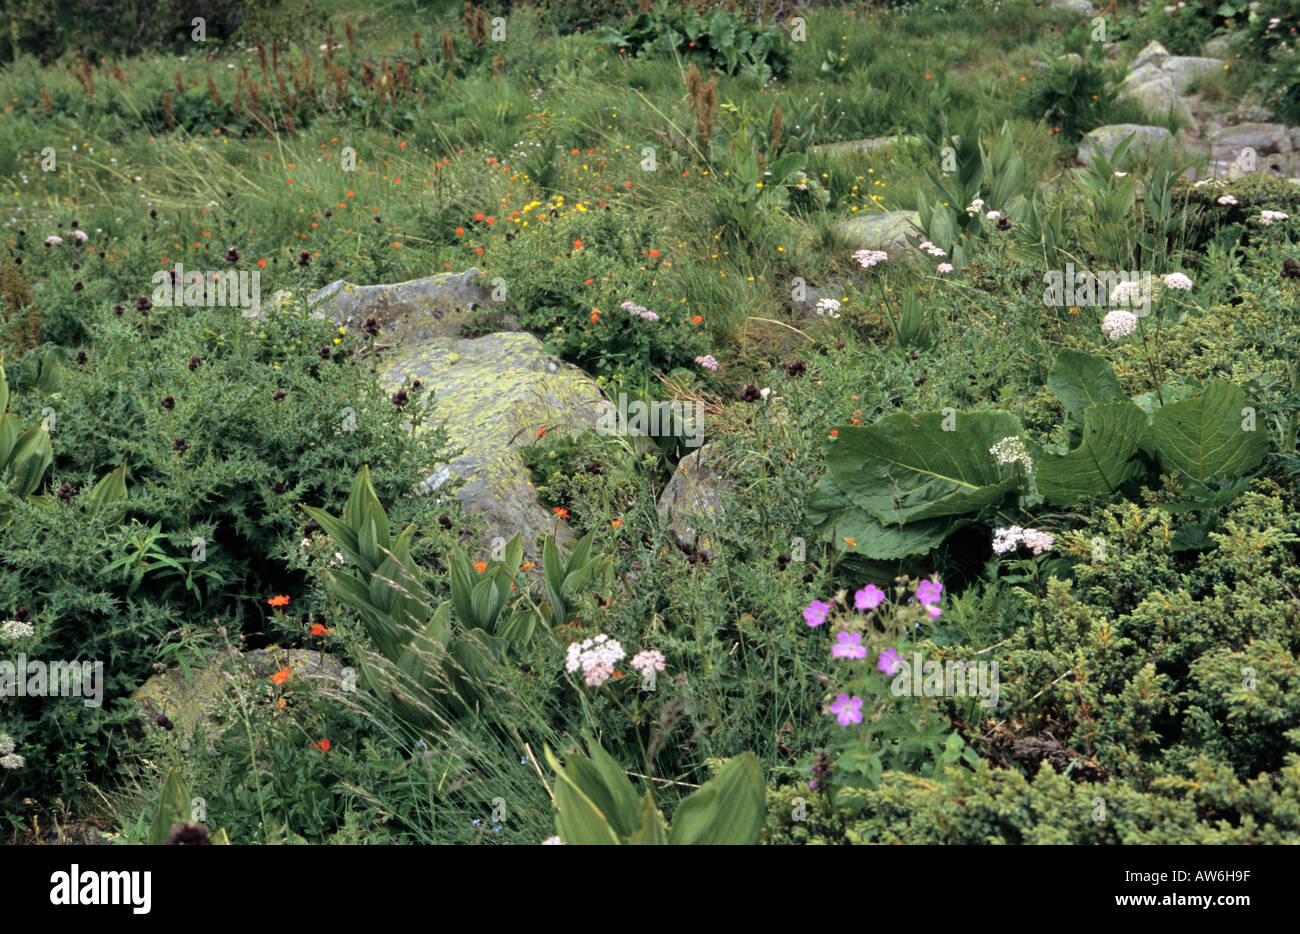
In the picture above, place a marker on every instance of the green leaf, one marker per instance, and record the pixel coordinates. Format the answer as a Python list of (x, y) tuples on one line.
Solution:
[(578, 821), (1104, 460), (110, 489), (1205, 436), (9, 429), (858, 532), (907, 467), (651, 829), (602, 779), (31, 456), (728, 810), (1082, 380), (173, 808)]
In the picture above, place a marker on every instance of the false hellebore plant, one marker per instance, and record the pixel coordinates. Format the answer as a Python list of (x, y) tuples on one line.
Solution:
[(902, 485)]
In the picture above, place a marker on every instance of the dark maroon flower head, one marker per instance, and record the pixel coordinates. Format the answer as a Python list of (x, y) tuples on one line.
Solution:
[(371, 326), (329, 213), (189, 835), (304, 258), (311, 528), (415, 384), (180, 446), (279, 486), (444, 521), (22, 615), (164, 721), (750, 394), (77, 287), (153, 214), (194, 363), (232, 255), (66, 493), (117, 310), (143, 304), (1290, 269), (1004, 222), (797, 368), (169, 402), (279, 395), (782, 561), (594, 468), (400, 398), (324, 352), (81, 356), (76, 266)]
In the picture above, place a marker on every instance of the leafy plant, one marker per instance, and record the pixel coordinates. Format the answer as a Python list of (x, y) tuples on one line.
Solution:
[(596, 804)]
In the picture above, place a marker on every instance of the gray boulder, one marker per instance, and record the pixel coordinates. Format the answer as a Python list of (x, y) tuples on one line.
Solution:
[(1106, 139), (692, 496), (493, 395), (886, 232)]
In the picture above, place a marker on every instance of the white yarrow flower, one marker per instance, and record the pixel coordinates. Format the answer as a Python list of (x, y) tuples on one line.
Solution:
[(1227, 199), (12, 761), (1176, 280), (1010, 450), (830, 307), (14, 629)]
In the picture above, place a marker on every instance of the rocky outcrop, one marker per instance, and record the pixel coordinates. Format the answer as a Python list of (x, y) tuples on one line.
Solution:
[(1106, 139), (694, 496), (886, 232)]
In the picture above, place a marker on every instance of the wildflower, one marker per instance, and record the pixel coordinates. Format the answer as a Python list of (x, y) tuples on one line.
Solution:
[(1007, 540), (1127, 293), (868, 258), (164, 722), (180, 446), (401, 398), (975, 206), (12, 761), (849, 645), (1117, 324), (1004, 222), (932, 249), (829, 307), (323, 745), (1267, 217), (1290, 269), (169, 402), (319, 630), (647, 660), (869, 597), (143, 304), (279, 600), (1226, 200), (81, 236), (750, 394), (815, 613), (640, 311), (697, 319), (596, 657), (707, 362), (577, 244), (371, 326), (480, 566), (561, 512), (53, 240), (194, 363), (1010, 450), (1176, 280), (993, 216), (848, 710), (280, 676), (889, 660), (552, 841), (944, 267), (14, 629), (796, 368), (232, 255), (928, 592), (304, 258), (1038, 542)]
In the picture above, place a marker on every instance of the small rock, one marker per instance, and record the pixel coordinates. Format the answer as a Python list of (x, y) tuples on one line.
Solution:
[(695, 490), (1107, 138), (886, 232)]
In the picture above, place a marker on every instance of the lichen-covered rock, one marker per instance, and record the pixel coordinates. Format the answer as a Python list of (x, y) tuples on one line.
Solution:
[(886, 232), (434, 306), (862, 145), (694, 493), (1159, 96), (1153, 54), (494, 395), (198, 700), (1106, 139)]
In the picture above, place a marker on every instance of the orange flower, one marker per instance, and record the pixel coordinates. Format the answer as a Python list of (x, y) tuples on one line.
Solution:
[(491, 220), (561, 512), (834, 433), (478, 249), (323, 745), (540, 432), (280, 676), (527, 566), (616, 523), (279, 600), (280, 703), (654, 254), (697, 319), (480, 566), (479, 216), (577, 244), (320, 630), (460, 231), (261, 262), (573, 152)]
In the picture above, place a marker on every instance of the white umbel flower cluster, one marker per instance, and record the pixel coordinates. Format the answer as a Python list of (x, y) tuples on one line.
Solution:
[(1117, 324), (1011, 449), (1008, 540), (932, 249), (868, 258), (8, 758), (640, 311), (975, 207), (14, 629), (650, 658), (1176, 280), (1267, 217), (596, 657), (829, 307)]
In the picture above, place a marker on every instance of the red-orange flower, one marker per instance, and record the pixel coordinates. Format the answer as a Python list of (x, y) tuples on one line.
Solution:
[(480, 566), (280, 676), (460, 231), (323, 745), (654, 254), (577, 244), (561, 512), (697, 319), (279, 600), (320, 630), (478, 216)]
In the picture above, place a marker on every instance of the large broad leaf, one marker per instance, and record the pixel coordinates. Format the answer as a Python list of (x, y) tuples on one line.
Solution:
[(1081, 380), (31, 456), (9, 430), (1104, 460), (907, 467), (173, 808), (728, 810), (858, 532), (651, 829), (1208, 436), (578, 820)]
